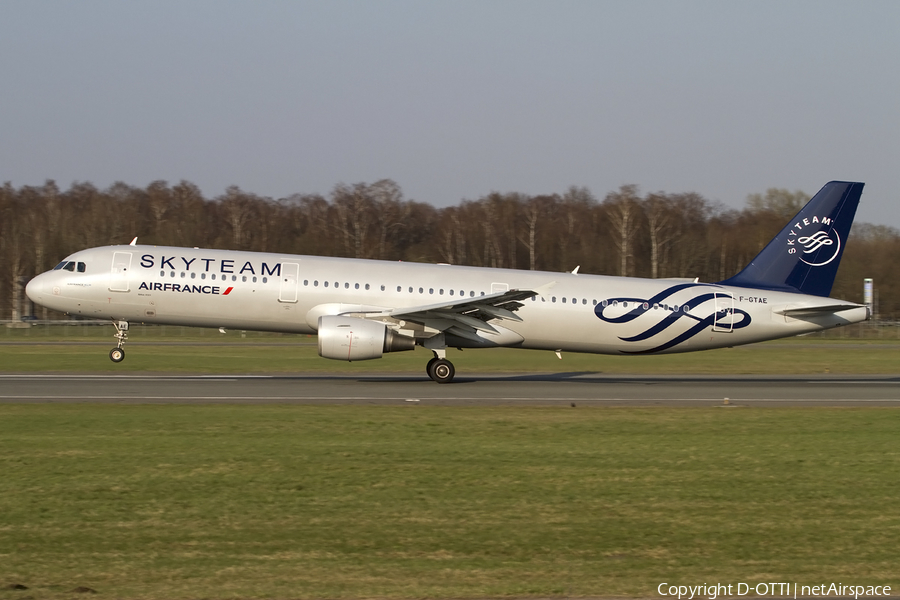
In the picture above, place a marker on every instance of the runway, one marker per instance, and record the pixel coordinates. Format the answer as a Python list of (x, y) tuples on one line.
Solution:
[(558, 389)]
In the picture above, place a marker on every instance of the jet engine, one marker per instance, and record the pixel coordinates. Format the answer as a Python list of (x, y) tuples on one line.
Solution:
[(349, 338)]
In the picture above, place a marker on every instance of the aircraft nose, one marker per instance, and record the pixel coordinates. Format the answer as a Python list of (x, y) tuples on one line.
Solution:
[(34, 289)]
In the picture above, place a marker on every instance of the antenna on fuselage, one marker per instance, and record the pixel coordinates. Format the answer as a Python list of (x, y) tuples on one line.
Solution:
[(133, 242)]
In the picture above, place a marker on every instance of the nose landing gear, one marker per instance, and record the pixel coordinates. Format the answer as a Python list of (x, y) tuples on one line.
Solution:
[(117, 354)]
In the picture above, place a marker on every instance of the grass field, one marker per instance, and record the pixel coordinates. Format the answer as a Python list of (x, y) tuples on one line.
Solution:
[(190, 502), (425, 502), (185, 350)]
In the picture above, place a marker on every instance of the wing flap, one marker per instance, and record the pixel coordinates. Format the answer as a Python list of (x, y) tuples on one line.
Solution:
[(466, 316)]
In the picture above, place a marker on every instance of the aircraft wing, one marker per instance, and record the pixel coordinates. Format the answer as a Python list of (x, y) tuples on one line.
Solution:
[(466, 316)]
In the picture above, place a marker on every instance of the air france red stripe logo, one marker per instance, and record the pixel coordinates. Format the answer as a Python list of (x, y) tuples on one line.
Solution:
[(184, 288)]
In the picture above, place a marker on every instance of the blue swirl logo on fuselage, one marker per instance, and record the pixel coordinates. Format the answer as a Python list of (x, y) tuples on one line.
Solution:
[(676, 321)]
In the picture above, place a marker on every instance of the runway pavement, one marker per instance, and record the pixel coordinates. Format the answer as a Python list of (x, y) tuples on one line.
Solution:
[(559, 389)]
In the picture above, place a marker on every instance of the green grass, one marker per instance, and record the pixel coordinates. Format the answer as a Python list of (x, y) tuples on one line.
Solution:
[(785, 357), (867, 349), (424, 502)]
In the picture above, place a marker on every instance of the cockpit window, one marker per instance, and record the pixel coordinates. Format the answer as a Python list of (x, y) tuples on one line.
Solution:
[(71, 265)]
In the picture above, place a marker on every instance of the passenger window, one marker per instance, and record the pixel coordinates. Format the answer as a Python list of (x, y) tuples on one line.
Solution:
[(182, 274), (316, 283), (265, 280), (193, 276), (306, 282), (234, 277), (347, 286), (563, 300), (254, 279), (430, 290), (451, 292), (325, 284), (356, 286), (172, 274), (213, 276), (421, 291)]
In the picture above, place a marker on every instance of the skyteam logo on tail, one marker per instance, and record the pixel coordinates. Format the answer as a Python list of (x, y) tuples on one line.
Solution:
[(808, 243)]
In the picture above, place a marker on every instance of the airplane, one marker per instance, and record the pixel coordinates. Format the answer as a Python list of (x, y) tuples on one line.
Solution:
[(362, 309)]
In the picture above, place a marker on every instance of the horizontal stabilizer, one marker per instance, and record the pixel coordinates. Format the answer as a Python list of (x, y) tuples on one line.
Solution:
[(815, 311)]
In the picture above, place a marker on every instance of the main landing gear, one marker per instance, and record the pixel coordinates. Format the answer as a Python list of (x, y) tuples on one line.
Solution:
[(117, 354), (440, 369)]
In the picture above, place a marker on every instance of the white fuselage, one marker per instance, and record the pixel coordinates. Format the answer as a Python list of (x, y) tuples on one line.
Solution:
[(285, 293)]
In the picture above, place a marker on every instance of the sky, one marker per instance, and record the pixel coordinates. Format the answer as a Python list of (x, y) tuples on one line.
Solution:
[(455, 99)]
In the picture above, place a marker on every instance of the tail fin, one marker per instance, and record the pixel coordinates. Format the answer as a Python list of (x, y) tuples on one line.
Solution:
[(804, 257)]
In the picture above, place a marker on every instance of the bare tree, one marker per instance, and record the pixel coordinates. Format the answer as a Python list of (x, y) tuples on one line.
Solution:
[(354, 207), (237, 211), (623, 209), (659, 219)]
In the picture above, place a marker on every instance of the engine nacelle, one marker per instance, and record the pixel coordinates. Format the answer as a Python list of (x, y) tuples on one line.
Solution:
[(349, 338)]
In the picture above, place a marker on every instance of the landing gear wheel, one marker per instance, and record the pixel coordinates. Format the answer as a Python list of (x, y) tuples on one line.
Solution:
[(442, 370), (429, 368), (117, 354)]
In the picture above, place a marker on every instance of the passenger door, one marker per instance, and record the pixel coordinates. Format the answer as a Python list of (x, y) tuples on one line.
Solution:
[(118, 278)]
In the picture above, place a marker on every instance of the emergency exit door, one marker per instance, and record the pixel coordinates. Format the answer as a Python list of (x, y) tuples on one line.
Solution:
[(290, 282)]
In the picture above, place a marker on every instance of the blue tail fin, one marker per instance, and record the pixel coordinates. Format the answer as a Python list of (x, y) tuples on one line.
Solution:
[(805, 256)]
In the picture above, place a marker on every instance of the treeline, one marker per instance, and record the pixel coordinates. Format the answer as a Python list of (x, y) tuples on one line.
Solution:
[(625, 233)]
